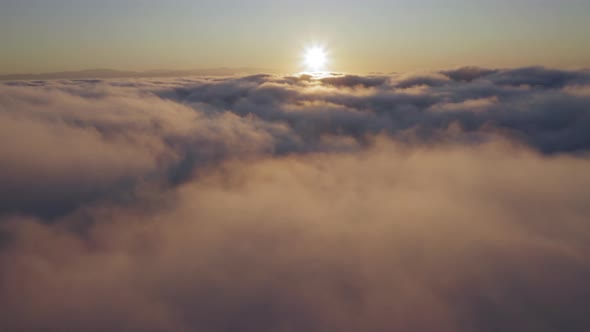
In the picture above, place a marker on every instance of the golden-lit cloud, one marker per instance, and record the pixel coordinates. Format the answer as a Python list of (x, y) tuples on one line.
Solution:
[(449, 201)]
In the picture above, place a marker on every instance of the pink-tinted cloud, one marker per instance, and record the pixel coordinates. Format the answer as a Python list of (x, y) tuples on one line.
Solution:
[(453, 201)]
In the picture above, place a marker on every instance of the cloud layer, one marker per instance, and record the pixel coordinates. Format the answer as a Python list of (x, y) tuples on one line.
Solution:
[(448, 201)]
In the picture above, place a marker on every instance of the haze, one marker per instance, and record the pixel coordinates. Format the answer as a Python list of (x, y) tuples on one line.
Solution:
[(373, 35)]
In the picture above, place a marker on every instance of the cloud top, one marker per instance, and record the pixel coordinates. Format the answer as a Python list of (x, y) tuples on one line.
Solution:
[(448, 201)]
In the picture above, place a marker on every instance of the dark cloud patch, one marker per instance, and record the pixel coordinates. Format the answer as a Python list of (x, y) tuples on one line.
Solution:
[(536, 77), (468, 74), (431, 80), (540, 77), (355, 80), (450, 201)]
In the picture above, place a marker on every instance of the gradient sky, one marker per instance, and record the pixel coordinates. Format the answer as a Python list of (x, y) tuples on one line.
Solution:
[(369, 35)]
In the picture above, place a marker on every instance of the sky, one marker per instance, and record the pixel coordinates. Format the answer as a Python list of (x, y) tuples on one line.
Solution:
[(359, 36)]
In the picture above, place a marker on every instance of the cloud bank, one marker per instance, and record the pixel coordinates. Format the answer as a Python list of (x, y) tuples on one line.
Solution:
[(447, 201)]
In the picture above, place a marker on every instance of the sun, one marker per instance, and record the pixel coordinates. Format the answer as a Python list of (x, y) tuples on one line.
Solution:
[(315, 58)]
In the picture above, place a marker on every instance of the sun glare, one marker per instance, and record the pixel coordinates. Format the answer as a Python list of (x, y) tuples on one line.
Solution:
[(315, 58)]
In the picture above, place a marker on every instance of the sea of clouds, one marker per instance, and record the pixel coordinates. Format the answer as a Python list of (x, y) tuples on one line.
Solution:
[(447, 201)]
